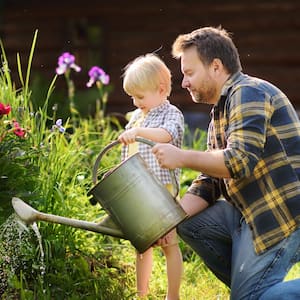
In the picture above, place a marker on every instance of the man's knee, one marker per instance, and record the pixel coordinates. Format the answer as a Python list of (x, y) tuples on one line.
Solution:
[(183, 229)]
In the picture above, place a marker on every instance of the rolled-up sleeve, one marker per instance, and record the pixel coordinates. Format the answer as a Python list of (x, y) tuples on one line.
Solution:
[(174, 124), (205, 187)]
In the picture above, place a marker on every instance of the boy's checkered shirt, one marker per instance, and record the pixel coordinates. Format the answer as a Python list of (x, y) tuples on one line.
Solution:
[(168, 117)]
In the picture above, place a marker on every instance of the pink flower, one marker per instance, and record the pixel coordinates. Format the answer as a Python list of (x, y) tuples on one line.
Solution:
[(17, 130), (4, 109)]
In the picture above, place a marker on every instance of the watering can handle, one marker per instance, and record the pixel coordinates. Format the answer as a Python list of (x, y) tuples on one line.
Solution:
[(138, 139)]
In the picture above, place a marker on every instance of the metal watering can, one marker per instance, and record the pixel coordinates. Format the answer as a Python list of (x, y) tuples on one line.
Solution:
[(139, 207)]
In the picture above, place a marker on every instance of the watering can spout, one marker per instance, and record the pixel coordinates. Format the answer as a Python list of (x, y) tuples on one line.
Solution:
[(29, 215)]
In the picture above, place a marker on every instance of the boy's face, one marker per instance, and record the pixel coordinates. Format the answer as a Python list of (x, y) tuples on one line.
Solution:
[(146, 100)]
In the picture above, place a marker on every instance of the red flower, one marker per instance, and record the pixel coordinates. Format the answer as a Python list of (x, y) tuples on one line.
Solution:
[(4, 109), (19, 131)]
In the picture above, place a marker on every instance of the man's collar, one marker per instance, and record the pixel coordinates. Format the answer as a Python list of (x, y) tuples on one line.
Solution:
[(233, 79)]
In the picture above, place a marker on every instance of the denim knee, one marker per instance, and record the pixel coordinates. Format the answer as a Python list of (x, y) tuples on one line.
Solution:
[(184, 229)]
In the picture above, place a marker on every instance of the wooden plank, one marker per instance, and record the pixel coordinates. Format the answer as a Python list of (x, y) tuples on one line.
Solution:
[(265, 32)]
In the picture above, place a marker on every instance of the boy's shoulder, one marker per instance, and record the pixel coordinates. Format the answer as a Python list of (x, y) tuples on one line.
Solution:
[(132, 114), (168, 105), (174, 109)]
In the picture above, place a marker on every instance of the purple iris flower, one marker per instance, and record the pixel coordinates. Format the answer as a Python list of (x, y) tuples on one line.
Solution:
[(66, 61), (58, 125), (97, 74)]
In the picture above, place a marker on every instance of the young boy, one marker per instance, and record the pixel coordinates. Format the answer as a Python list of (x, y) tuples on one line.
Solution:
[(147, 80)]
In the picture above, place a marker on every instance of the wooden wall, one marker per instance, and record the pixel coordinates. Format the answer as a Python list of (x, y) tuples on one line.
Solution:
[(267, 34)]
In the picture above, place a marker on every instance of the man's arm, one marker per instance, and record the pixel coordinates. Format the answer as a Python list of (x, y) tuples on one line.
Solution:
[(211, 162), (159, 135), (193, 204)]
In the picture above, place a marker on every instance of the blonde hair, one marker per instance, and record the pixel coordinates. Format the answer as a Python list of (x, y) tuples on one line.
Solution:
[(146, 73)]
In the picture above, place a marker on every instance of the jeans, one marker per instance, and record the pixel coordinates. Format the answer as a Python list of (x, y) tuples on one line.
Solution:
[(222, 238)]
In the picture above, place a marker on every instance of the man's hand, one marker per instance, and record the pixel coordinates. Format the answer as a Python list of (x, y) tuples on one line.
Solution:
[(167, 155)]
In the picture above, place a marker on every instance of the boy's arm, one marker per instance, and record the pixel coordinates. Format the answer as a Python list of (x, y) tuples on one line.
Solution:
[(159, 135)]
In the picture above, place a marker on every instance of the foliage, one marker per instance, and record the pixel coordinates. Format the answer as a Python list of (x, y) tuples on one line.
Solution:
[(18, 174), (49, 166)]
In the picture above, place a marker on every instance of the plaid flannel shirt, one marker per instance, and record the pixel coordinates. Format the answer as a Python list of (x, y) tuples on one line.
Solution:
[(259, 130), (168, 117)]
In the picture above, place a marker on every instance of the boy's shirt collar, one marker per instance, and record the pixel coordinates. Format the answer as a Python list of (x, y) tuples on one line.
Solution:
[(157, 108)]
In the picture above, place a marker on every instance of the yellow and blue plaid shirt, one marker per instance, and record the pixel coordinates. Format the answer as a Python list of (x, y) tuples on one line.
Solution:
[(259, 130)]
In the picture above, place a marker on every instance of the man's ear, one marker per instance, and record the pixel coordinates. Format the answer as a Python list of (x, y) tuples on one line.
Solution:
[(217, 65), (217, 68)]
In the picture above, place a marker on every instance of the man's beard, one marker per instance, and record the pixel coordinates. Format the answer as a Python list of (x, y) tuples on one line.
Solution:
[(204, 97)]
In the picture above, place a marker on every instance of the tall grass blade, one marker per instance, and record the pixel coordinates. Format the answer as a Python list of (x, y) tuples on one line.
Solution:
[(5, 69), (19, 65), (30, 62)]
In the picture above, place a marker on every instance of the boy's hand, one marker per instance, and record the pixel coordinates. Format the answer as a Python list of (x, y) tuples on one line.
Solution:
[(128, 136), (166, 240)]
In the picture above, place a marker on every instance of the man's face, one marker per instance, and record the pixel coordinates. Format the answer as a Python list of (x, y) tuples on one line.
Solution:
[(198, 78)]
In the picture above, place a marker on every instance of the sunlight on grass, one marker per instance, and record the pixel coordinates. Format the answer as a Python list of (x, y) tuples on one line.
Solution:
[(197, 282), (294, 272)]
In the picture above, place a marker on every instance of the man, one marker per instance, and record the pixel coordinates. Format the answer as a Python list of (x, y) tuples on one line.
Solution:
[(244, 207)]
